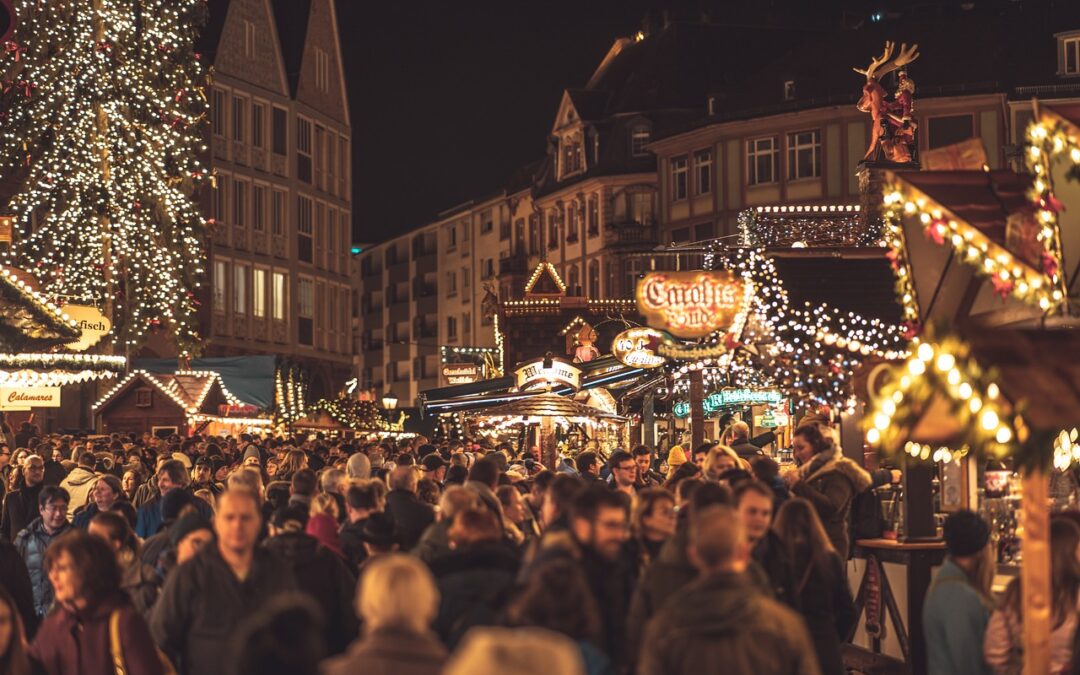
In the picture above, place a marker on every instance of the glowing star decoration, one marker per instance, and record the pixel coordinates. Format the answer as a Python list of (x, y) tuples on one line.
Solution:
[(694, 304), (637, 347)]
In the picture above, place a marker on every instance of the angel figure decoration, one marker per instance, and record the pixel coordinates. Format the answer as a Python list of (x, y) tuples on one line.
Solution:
[(893, 135)]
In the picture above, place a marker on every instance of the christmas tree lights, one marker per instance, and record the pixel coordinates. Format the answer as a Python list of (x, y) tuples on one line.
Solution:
[(103, 111)]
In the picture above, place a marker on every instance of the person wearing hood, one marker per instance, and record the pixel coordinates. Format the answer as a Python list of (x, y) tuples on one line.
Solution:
[(722, 618), (80, 482), (828, 480), (319, 573)]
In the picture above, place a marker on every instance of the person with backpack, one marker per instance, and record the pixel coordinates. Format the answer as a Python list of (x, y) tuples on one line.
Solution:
[(828, 480)]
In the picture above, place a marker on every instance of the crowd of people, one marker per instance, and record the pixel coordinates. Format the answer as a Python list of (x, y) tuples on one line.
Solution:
[(241, 555)]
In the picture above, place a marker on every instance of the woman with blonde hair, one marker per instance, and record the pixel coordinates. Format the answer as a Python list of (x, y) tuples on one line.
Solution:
[(397, 600), (721, 459), (821, 585)]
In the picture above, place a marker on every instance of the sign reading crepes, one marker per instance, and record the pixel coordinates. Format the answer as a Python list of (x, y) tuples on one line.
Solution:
[(693, 304), (93, 324), (461, 373), (25, 398), (534, 374), (636, 348)]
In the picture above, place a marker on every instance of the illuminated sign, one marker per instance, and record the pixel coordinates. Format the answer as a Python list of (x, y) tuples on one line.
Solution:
[(730, 397), (25, 398), (91, 321), (534, 374), (637, 347), (461, 373), (693, 304)]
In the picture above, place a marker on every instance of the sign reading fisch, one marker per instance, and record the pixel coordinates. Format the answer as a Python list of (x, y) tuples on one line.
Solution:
[(533, 374), (692, 304), (25, 398), (460, 373), (636, 348), (91, 321)]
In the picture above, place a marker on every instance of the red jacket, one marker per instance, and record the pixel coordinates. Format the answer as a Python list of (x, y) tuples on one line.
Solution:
[(78, 644)]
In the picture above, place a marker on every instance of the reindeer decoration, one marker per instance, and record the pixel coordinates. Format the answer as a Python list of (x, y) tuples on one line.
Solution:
[(894, 130)]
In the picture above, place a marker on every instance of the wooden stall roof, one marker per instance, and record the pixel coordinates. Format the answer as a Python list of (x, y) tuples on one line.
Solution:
[(27, 320), (548, 405)]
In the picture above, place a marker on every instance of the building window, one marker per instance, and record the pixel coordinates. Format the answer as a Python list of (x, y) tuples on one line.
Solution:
[(258, 208), (571, 156), (466, 283), (573, 280), (487, 223), (279, 130), (639, 138), (239, 118), (594, 216), (249, 39), (240, 273), (504, 229), (703, 171), (466, 322), (680, 235), (594, 278), (221, 200), (451, 284), (679, 178), (217, 112), (303, 228), (280, 296), (322, 69), (634, 267), (221, 276), (762, 160), (487, 268), (804, 155), (277, 212), (451, 237), (571, 223), (306, 311), (534, 234), (950, 129), (144, 397), (451, 329), (1070, 55), (303, 149), (553, 230), (703, 231), (258, 293), (641, 208), (320, 152), (343, 167), (239, 203), (258, 124)]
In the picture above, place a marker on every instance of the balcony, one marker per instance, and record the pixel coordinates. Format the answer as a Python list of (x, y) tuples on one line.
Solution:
[(400, 351), (399, 312), (634, 234), (399, 271), (515, 264), (427, 305)]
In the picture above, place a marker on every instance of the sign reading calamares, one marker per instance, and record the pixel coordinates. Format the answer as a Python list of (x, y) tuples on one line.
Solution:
[(693, 304)]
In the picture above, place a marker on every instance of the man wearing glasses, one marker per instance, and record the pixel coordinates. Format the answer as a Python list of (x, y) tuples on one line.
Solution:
[(624, 472), (32, 542), (21, 505)]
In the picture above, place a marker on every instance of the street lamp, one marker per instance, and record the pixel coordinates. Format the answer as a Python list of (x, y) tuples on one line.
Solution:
[(389, 401)]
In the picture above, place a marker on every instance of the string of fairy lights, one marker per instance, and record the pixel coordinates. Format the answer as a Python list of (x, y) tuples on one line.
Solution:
[(104, 105)]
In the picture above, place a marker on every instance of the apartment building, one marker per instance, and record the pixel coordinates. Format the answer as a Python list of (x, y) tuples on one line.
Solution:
[(279, 142)]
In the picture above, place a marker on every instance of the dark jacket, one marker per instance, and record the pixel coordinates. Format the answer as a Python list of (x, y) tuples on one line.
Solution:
[(435, 541), (203, 602), (150, 518), (83, 516), (411, 517), (31, 544), (79, 644), (352, 544), (474, 584), (829, 611), (20, 507), (746, 450), (390, 652), (830, 488), (323, 576), (15, 579), (770, 556), (142, 584), (667, 574), (723, 621)]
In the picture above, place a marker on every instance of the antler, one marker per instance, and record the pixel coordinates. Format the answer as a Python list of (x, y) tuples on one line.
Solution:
[(876, 63), (905, 57)]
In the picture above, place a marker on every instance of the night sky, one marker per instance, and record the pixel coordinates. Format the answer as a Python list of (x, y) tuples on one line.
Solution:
[(448, 98)]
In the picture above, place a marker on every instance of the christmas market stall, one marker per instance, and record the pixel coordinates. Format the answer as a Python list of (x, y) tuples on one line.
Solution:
[(183, 403), (351, 416), (40, 348)]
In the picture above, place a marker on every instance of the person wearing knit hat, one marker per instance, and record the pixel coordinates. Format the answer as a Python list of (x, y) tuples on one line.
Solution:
[(676, 457), (958, 604), (188, 535), (252, 457)]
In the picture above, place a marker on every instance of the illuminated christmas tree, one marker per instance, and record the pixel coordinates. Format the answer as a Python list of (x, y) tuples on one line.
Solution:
[(101, 125)]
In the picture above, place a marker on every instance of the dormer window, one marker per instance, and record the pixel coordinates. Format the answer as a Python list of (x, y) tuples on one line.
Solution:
[(1069, 54), (572, 156), (639, 138)]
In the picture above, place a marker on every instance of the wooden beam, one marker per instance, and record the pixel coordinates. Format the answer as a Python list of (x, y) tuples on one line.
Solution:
[(1035, 572)]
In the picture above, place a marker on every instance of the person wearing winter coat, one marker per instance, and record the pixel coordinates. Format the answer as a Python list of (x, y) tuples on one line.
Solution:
[(207, 597), (474, 577), (721, 617), (397, 600), (36, 537), (15, 579), (139, 580), (823, 595), (828, 480), (21, 505), (76, 639), (319, 573), (411, 516), (958, 604), (80, 482), (105, 495), (1004, 642)]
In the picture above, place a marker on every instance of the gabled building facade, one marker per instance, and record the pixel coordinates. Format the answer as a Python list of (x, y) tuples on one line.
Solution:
[(280, 149)]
